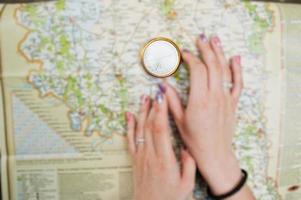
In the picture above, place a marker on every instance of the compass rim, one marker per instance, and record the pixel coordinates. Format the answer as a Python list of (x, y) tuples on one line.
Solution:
[(147, 44)]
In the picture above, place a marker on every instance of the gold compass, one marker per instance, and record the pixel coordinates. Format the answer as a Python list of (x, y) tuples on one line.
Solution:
[(160, 57)]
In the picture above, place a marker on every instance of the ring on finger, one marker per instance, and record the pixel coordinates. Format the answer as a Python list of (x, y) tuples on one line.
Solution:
[(140, 140), (227, 85)]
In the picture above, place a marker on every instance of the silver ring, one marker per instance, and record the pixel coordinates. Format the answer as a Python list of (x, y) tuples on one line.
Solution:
[(227, 85), (140, 140)]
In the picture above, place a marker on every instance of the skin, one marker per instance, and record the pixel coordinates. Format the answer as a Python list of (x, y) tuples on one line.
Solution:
[(206, 126), (157, 174)]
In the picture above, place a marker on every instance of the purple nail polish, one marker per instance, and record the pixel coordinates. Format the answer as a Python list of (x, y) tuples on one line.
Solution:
[(162, 88), (159, 97), (203, 37), (186, 51)]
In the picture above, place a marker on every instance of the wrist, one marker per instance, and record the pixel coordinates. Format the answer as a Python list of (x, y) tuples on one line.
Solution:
[(221, 172)]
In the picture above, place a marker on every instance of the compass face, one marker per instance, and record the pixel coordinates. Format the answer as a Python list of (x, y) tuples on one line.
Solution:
[(161, 57)]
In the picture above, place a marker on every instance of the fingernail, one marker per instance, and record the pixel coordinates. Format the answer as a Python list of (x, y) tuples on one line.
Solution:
[(237, 59), (144, 98), (186, 51), (203, 37), (162, 88), (159, 97), (216, 41), (128, 116)]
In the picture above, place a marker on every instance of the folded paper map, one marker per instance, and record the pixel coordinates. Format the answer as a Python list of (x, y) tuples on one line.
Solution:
[(70, 69)]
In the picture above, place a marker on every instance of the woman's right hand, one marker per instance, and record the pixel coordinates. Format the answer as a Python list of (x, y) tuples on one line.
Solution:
[(207, 123)]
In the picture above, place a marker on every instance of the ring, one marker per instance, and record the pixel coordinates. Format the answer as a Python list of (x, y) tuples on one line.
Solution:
[(227, 85), (140, 140)]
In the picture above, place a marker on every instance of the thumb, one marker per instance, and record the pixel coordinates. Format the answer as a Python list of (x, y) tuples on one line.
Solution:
[(174, 105), (188, 169)]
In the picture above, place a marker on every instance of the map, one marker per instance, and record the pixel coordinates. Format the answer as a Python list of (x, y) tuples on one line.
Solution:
[(78, 71)]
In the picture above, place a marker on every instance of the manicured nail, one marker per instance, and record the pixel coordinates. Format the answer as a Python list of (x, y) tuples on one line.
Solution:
[(203, 37), (216, 41), (162, 88), (237, 59), (186, 50), (143, 99), (146, 99), (159, 97), (128, 116)]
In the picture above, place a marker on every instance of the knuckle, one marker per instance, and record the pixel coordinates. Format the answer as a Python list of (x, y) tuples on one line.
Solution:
[(237, 69), (148, 125), (158, 109), (139, 128), (161, 161), (142, 110), (146, 164), (195, 103), (202, 104), (195, 62), (216, 94), (210, 57), (218, 70), (227, 70), (130, 129), (221, 100), (158, 127), (217, 99)]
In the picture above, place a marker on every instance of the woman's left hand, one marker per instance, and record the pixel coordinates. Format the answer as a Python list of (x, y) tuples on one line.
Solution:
[(157, 174)]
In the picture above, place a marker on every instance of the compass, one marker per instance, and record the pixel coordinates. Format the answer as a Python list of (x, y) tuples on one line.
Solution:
[(160, 57)]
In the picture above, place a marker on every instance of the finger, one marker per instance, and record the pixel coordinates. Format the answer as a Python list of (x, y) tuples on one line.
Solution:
[(197, 75), (211, 62), (175, 105), (188, 169), (160, 127), (218, 50), (237, 77), (143, 113), (131, 123)]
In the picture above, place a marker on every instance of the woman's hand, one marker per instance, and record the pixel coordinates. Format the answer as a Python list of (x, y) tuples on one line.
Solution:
[(156, 172), (207, 123)]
